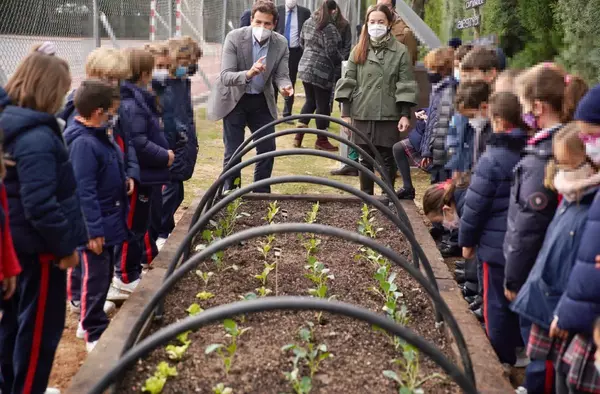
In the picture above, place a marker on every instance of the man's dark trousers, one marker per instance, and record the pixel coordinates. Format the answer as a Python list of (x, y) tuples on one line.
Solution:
[(32, 325), (295, 56), (252, 111)]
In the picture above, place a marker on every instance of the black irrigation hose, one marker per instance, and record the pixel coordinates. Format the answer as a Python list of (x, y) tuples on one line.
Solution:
[(466, 382), (298, 152), (239, 154), (238, 193), (350, 127), (256, 232)]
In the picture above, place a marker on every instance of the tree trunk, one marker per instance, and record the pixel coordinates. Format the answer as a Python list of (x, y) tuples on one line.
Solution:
[(418, 7)]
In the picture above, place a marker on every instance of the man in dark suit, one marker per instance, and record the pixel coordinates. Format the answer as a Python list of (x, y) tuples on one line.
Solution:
[(291, 19)]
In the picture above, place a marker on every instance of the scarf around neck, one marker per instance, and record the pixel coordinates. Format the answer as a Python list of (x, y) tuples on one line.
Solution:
[(574, 184)]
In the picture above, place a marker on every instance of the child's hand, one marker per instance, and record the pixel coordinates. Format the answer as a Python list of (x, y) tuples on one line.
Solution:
[(510, 295), (69, 261), (9, 285), (95, 245), (556, 332), (425, 162), (468, 253), (129, 185), (598, 262), (171, 158)]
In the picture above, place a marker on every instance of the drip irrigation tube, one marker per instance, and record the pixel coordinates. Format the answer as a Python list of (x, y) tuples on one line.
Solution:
[(256, 232), (238, 155), (465, 381), (298, 152)]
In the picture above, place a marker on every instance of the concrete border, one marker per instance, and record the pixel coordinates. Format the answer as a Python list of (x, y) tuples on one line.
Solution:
[(490, 374)]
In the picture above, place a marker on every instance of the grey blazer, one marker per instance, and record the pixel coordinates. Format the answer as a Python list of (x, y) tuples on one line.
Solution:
[(236, 61)]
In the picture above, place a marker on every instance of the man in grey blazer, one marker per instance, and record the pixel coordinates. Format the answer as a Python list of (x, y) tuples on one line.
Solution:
[(254, 59)]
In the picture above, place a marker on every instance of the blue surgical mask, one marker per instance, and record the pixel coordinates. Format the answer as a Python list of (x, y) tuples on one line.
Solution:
[(181, 71)]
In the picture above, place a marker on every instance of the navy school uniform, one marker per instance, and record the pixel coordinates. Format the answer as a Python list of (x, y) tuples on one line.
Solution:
[(483, 225), (180, 131), (100, 174), (140, 116), (47, 224)]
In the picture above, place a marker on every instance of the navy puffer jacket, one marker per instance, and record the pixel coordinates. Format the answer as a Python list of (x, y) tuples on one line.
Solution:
[(580, 303), (139, 116), (532, 207), (483, 221), (180, 131), (45, 212), (547, 281), (100, 174), (120, 133)]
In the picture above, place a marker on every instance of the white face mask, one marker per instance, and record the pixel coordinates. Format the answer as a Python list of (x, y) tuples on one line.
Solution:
[(450, 223), (377, 31), (261, 34), (160, 74), (291, 3), (457, 74), (592, 150), (478, 123)]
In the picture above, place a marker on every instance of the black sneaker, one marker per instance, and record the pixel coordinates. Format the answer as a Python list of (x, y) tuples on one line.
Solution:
[(448, 250), (406, 194), (479, 314), (460, 276), (346, 170)]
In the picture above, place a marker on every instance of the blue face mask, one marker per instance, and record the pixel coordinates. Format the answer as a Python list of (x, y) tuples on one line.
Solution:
[(181, 71)]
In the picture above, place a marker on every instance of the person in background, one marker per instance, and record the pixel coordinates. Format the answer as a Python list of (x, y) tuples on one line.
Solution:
[(321, 41), (506, 81), (481, 64), (140, 110), (443, 203), (459, 55), (46, 222), (548, 96), (291, 20), (483, 222), (401, 31), (180, 132), (243, 94), (455, 43), (440, 67), (572, 174), (405, 153), (378, 90), (246, 18), (102, 187)]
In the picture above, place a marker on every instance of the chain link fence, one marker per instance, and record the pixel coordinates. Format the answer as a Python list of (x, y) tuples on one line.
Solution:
[(126, 23)]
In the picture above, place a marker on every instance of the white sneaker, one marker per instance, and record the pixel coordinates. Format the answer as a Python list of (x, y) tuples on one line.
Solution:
[(125, 287), (75, 307), (114, 295), (89, 346), (521, 390), (160, 242), (109, 307), (80, 331), (52, 390)]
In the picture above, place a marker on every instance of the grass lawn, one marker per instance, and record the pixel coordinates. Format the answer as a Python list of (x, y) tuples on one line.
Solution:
[(210, 160)]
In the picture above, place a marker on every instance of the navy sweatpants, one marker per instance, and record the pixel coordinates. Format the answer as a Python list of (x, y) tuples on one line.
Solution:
[(132, 253), (97, 272), (74, 284), (172, 197), (32, 325), (150, 250), (501, 324)]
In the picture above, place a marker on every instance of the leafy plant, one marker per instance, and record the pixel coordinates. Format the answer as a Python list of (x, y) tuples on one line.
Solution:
[(248, 296), (308, 352), (387, 290), (205, 276), (262, 277), (194, 309), (366, 225), (176, 352), (319, 275), (311, 245), (300, 384), (231, 215), (311, 216), (263, 291), (221, 389), (227, 351), (210, 236), (408, 377), (155, 383), (204, 295)]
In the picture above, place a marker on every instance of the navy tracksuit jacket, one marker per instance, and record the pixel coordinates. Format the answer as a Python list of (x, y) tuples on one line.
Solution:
[(483, 225), (47, 224), (100, 173)]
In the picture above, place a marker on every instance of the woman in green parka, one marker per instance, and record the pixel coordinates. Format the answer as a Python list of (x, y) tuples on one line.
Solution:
[(378, 90)]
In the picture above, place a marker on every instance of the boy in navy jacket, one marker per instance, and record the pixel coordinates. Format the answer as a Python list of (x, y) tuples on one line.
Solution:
[(101, 180), (483, 222)]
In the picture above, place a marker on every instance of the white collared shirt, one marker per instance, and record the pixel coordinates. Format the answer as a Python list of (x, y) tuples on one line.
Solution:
[(294, 28)]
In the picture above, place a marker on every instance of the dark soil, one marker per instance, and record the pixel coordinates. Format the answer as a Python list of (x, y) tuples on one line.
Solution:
[(360, 353)]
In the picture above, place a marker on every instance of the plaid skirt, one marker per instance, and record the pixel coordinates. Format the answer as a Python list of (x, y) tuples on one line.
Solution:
[(575, 356), (414, 157)]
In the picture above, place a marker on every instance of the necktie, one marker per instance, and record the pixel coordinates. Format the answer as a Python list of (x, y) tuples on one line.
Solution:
[(288, 26)]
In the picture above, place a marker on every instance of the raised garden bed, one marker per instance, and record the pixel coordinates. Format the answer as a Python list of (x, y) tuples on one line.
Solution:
[(360, 354)]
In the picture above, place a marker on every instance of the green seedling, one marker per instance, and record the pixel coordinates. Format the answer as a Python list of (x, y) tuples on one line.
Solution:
[(319, 275), (300, 384), (311, 216), (366, 223), (264, 249), (308, 353), (272, 211), (205, 276), (311, 245), (268, 268), (194, 309), (409, 379), (263, 291), (387, 290), (156, 383), (248, 296), (210, 236), (204, 295), (227, 351), (176, 352), (221, 389), (231, 215)]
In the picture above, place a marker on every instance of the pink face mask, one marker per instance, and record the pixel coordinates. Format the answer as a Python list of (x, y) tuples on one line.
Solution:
[(530, 120)]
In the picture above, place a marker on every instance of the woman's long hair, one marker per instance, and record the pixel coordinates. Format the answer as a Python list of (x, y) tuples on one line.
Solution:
[(323, 15), (361, 49), (340, 22)]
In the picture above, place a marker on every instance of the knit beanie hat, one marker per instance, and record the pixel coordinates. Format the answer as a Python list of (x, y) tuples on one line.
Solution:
[(455, 42), (588, 109)]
